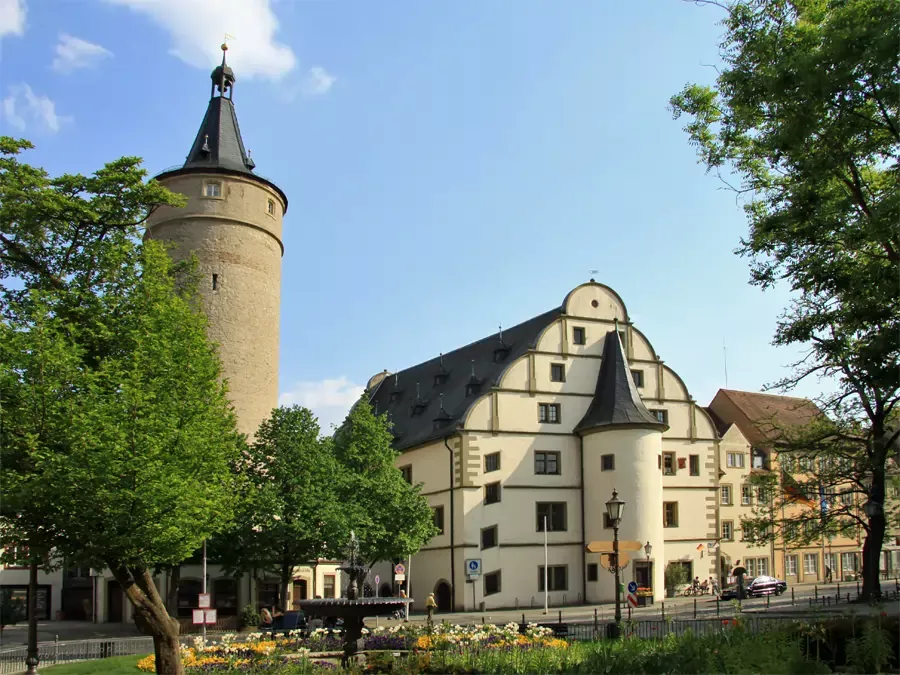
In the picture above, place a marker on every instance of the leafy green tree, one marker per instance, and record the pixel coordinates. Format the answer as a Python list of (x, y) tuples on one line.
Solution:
[(117, 435), (289, 512), (805, 113), (390, 517)]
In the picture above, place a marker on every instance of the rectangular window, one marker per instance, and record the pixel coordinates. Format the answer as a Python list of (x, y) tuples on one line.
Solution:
[(728, 530), (212, 190), (668, 462), (492, 462), (489, 537), (492, 493), (670, 514), (438, 512), (607, 462), (848, 562), (811, 564), (661, 415), (546, 463), (746, 495), (762, 567), (638, 377), (831, 563), (734, 460), (762, 495), (557, 372), (549, 413), (329, 590), (790, 565), (751, 567), (578, 336), (492, 583), (557, 578), (555, 515), (270, 207), (592, 571), (695, 465), (406, 471), (215, 282)]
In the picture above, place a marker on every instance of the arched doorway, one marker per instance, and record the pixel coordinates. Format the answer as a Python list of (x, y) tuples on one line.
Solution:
[(442, 596)]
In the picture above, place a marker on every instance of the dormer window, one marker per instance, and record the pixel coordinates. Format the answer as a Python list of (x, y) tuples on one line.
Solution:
[(441, 422), (395, 396), (439, 379), (472, 388), (419, 407), (501, 354)]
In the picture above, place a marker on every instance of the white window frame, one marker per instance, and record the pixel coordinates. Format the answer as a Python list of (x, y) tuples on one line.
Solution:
[(727, 498), (746, 495), (790, 565), (814, 558), (213, 189)]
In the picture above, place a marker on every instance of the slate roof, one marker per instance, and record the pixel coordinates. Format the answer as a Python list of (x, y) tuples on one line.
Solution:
[(720, 424), (218, 144), (423, 408), (616, 400)]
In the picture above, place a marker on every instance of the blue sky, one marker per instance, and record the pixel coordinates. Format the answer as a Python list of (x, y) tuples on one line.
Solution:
[(451, 166)]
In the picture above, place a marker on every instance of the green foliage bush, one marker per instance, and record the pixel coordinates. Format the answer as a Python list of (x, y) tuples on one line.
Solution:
[(249, 617)]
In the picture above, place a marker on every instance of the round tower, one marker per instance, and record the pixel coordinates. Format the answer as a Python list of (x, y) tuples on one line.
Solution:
[(622, 451), (232, 224)]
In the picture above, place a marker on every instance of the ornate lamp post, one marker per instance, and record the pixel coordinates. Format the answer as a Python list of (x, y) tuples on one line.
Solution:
[(614, 509)]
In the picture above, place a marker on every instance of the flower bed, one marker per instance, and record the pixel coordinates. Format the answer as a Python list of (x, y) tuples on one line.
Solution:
[(414, 650)]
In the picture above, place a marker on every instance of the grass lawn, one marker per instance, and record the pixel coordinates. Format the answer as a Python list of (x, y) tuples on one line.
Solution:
[(117, 665)]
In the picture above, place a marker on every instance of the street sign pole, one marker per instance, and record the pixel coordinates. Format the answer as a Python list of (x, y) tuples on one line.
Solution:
[(546, 573), (408, 583), (204, 590)]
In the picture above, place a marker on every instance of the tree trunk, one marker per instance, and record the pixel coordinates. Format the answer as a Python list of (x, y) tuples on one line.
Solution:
[(871, 589), (151, 617), (32, 659), (174, 575), (287, 573)]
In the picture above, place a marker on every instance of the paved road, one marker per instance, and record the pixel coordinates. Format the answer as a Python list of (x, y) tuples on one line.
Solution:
[(677, 608)]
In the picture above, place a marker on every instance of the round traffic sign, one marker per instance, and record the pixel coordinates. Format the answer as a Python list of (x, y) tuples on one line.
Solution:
[(474, 565), (399, 569), (632, 586), (377, 579)]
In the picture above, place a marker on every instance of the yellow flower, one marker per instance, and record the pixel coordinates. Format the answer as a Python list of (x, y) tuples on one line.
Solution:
[(147, 664)]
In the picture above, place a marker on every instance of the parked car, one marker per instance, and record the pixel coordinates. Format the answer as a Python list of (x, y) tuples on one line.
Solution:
[(756, 588), (765, 585)]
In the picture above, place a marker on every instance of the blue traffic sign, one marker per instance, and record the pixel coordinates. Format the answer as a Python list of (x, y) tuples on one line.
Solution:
[(473, 567), (632, 586)]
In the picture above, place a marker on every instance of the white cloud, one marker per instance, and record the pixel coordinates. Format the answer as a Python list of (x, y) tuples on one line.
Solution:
[(318, 81), (330, 400), (197, 28), (22, 107), (12, 17), (73, 53)]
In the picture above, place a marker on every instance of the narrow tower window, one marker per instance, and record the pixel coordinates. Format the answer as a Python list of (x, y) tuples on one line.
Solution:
[(212, 190), (271, 207), (215, 282)]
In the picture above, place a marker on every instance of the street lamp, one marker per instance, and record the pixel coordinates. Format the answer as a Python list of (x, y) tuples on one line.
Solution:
[(614, 509), (647, 549)]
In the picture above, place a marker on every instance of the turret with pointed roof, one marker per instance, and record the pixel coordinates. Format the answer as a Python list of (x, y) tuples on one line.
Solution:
[(616, 402)]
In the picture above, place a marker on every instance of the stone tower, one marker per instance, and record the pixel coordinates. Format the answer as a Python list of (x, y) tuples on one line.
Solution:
[(232, 223)]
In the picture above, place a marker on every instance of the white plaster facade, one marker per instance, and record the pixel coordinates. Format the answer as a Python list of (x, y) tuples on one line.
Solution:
[(505, 420)]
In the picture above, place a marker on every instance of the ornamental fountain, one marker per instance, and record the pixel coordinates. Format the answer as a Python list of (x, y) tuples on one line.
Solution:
[(353, 609)]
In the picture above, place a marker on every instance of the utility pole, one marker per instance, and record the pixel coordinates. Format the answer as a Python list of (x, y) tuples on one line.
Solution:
[(204, 590)]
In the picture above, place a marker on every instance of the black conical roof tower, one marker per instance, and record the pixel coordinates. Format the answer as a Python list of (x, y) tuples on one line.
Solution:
[(616, 400), (218, 146)]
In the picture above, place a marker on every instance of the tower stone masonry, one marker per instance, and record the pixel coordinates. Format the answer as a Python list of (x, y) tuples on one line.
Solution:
[(232, 224)]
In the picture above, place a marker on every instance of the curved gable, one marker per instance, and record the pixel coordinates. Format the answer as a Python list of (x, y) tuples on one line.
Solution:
[(595, 301)]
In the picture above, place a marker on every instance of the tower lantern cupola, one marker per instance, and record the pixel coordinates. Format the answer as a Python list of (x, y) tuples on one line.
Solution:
[(222, 77)]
